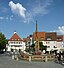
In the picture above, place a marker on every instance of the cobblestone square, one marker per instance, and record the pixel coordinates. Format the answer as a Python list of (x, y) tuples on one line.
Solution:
[(7, 62)]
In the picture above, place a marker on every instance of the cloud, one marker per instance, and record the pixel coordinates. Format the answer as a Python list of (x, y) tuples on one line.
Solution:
[(60, 30), (6, 18), (17, 9), (11, 17), (3, 9), (1, 18), (37, 8)]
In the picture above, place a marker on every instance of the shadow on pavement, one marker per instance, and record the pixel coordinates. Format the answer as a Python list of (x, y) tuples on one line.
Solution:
[(2, 52)]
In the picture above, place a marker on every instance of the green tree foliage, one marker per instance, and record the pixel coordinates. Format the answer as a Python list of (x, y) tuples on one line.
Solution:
[(27, 49), (42, 47), (3, 41), (33, 47)]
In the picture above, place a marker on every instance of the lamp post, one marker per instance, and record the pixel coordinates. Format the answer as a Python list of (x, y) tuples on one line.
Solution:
[(29, 46)]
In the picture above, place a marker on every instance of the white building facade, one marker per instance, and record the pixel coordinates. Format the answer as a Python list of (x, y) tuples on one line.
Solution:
[(50, 45), (48, 39), (15, 42)]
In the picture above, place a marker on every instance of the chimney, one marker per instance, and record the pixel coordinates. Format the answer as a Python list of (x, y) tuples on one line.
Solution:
[(14, 32)]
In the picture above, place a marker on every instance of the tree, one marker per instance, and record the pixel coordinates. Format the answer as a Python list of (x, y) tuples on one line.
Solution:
[(33, 45), (3, 42), (42, 47)]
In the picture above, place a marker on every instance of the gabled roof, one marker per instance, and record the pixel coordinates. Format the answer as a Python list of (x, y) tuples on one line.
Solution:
[(50, 36), (15, 37), (24, 39)]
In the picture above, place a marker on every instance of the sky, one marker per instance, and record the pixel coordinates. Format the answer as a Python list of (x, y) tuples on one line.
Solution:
[(21, 16)]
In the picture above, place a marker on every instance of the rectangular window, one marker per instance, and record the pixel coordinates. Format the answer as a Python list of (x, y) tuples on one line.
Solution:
[(11, 42), (48, 38), (16, 42), (19, 42), (48, 46), (47, 42)]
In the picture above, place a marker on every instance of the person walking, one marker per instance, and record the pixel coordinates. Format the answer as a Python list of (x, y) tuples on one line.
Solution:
[(59, 57)]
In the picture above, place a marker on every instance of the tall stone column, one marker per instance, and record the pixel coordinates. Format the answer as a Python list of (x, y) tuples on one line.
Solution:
[(37, 41)]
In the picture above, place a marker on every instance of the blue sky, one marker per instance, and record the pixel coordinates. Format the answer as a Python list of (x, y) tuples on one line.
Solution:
[(21, 15)]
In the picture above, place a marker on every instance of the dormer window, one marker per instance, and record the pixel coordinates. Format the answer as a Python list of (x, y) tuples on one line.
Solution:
[(15, 39), (18, 39), (12, 39), (59, 39), (48, 38)]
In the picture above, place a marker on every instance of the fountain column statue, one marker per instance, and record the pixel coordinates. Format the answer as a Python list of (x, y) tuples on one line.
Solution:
[(37, 40)]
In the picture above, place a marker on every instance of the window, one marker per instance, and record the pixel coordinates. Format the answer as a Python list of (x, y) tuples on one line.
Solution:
[(12, 39), (11, 42), (54, 47), (48, 38), (18, 39), (48, 46), (14, 42), (47, 42), (19, 42), (15, 39), (59, 39), (11, 50)]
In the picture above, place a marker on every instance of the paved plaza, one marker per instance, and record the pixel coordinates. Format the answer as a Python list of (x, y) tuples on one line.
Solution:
[(7, 62)]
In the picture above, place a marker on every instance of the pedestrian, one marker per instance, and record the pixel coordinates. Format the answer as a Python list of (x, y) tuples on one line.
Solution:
[(63, 56), (59, 57)]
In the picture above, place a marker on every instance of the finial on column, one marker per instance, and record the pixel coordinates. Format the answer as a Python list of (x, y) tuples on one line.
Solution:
[(36, 26)]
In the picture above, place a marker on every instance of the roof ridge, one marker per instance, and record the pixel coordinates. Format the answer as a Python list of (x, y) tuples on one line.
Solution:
[(15, 37)]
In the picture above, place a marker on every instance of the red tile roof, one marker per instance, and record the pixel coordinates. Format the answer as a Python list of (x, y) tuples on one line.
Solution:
[(50, 36), (41, 35), (28, 38), (15, 37), (24, 39), (59, 38)]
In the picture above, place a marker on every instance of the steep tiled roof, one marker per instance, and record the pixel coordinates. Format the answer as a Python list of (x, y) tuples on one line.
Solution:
[(41, 35), (59, 38), (24, 39), (28, 38), (15, 37), (50, 36)]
